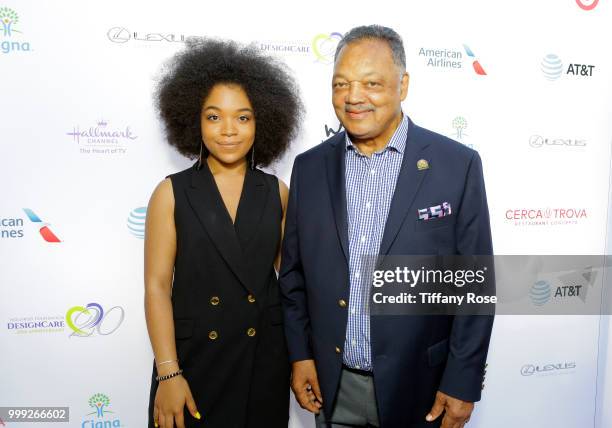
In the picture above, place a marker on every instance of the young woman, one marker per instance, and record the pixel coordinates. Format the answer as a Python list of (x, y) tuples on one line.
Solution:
[(212, 242)]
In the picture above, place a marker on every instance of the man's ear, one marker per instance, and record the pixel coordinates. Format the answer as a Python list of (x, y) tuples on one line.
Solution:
[(404, 85)]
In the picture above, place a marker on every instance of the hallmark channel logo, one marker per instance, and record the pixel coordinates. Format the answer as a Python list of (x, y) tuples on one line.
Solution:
[(587, 4), (93, 320), (451, 59), (546, 216), (553, 369), (37, 324), (324, 47), (102, 416), (538, 141), (14, 227), (12, 37), (136, 222), (553, 68), (102, 138), (122, 35)]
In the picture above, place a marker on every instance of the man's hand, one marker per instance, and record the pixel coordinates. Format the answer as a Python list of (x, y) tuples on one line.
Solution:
[(457, 412), (305, 385)]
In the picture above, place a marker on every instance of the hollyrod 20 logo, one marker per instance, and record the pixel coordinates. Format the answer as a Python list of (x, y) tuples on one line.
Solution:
[(324, 47), (9, 19), (587, 4), (103, 416), (92, 319)]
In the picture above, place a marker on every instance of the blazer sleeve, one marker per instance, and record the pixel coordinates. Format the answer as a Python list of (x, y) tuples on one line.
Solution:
[(291, 278), (470, 335)]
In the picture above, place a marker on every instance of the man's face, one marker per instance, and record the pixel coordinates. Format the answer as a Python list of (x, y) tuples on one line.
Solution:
[(367, 89)]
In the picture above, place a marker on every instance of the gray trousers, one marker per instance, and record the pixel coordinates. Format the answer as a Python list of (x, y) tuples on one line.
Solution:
[(355, 405)]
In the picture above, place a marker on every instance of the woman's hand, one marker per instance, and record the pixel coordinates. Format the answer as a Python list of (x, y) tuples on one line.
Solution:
[(171, 398)]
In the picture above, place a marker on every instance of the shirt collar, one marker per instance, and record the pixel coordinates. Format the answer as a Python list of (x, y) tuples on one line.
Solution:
[(397, 141)]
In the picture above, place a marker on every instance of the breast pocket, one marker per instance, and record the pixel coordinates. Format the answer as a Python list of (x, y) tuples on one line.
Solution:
[(434, 223)]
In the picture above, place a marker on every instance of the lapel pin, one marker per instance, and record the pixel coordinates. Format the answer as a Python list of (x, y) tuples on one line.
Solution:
[(422, 164)]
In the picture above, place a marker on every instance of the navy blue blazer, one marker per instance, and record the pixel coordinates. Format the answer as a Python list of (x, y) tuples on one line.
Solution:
[(412, 356)]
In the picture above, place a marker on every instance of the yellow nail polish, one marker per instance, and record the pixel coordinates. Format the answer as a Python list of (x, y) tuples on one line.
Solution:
[(156, 424), (198, 416)]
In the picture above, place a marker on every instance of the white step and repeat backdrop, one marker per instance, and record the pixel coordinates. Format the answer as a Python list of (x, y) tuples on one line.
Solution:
[(528, 84)]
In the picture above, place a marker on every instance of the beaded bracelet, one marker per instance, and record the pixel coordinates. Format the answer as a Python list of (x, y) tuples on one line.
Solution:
[(168, 376)]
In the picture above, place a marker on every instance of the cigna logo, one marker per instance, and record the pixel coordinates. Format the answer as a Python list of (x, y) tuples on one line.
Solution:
[(102, 416), (587, 4), (44, 229), (10, 34), (92, 320), (324, 47)]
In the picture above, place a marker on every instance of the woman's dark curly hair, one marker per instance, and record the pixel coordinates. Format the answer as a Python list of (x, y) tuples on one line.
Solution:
[(192, 73)]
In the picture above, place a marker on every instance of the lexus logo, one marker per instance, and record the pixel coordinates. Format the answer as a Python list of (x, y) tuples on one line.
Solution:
[(118, 35), (538, 141)]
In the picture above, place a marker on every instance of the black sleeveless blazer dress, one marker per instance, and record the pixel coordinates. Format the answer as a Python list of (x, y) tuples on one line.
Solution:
[(226, 303)]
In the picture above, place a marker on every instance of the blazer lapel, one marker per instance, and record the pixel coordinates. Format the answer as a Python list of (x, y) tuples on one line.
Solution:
[(252, 205), (408, 183), (335, 163), (205, 200)]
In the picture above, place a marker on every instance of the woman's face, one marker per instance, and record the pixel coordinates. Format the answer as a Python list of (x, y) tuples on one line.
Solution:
[(228, 123)]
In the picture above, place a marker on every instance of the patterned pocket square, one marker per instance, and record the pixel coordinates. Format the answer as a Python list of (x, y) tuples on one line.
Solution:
[(436, 211)]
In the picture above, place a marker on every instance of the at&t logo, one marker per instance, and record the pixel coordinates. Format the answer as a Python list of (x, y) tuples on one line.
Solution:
[(553, 68)]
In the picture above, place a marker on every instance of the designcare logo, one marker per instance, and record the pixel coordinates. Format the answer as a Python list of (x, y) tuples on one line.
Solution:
[(12, 37), (546, 216), (324, 47), (92, 320), (102, 138), (37, 324), (451, 58), (538, 141), (552, 369), (101, 416), (553, 68)]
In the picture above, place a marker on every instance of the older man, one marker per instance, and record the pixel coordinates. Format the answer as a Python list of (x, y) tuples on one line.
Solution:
[(359, 194)]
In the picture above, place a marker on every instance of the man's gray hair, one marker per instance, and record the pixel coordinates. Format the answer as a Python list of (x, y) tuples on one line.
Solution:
[(376, 32)]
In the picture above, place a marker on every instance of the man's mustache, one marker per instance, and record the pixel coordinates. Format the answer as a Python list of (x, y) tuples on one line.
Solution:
[(358, 109)]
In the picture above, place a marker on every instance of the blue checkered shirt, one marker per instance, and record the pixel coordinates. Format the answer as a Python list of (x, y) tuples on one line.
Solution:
[(370, 183)]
